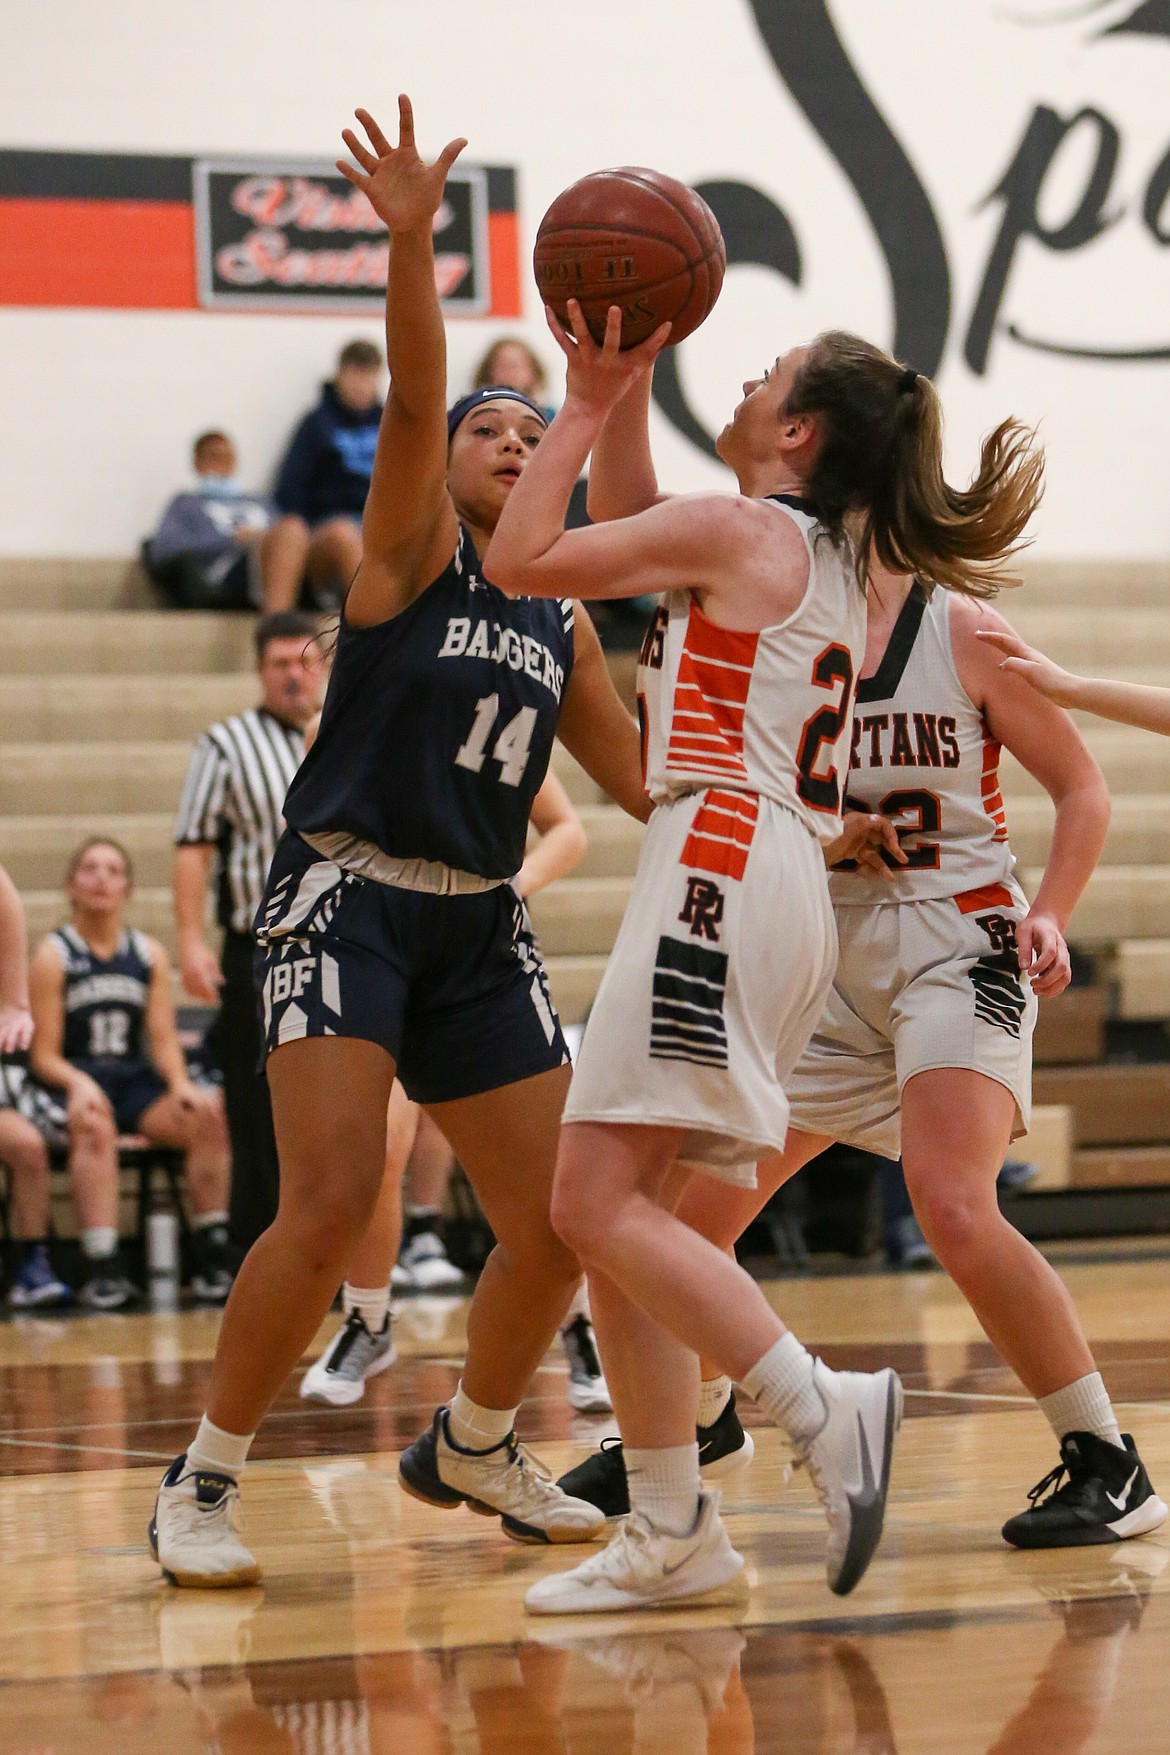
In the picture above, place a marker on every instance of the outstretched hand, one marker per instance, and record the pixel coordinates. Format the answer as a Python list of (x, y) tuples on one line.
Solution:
[(402, 188), (1025, 661), (600, 376)]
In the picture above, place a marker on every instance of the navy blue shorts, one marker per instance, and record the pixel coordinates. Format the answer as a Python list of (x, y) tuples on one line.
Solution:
[(131, 1089), (452, 987)]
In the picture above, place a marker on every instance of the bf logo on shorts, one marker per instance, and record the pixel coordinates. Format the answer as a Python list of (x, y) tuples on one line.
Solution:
[(302, 997), (289, 980), (703, 909)]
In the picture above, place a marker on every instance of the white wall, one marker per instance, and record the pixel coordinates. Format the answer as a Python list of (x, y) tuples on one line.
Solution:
[(98, 407)]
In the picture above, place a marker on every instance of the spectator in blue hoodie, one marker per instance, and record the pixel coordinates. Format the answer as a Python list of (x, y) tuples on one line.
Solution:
[(323, 481), (214, 545)]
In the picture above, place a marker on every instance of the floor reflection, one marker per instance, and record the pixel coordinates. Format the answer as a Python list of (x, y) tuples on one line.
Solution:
[(1055, 1679)]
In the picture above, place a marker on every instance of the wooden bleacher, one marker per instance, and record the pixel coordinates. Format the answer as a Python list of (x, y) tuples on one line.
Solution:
[(101, 695)]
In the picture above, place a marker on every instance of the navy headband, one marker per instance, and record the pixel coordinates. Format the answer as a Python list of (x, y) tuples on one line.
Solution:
[(459, 411)]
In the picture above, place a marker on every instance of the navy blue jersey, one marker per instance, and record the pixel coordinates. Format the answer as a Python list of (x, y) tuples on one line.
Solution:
[(105, 1001), (438, 725)]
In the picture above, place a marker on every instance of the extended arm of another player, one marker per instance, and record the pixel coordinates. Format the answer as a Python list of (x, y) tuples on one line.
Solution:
[(1046, 742), (15, 1019), (162, 1034), (198, 963), (1138, 704), (595, 727), (562, 840)]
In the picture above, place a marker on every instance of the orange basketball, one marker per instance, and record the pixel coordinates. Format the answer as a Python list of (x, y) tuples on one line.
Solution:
[(636, 239)]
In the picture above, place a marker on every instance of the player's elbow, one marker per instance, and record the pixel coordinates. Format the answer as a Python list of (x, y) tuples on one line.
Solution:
[(506, 572)]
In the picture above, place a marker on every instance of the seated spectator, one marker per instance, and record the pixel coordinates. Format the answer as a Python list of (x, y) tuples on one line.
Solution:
[(104, 1032), (511, 361), (22, 1149), (323, 481), (213, 544)]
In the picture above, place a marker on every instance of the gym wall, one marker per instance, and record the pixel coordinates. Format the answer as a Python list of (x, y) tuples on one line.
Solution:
[(984, 187)]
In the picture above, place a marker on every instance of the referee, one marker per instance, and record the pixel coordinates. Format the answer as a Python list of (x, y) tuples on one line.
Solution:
[(230, 819)]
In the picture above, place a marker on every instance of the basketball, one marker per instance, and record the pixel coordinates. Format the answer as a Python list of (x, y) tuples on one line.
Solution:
[(633, 238)]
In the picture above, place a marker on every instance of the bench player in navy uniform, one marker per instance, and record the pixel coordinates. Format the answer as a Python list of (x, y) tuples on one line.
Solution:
[(104, 1032), (391, 939)]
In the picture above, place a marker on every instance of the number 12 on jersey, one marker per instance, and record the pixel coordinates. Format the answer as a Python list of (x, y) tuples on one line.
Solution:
[(511, 746)]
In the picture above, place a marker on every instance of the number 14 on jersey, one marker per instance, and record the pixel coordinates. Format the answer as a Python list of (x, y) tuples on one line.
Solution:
[(511, 746)]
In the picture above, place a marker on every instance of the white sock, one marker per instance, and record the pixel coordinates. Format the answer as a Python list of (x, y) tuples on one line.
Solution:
[(476, 1428), (714, 1395), (372, 1304), (219, 1452), (1083, 1406), (783, 1386), (204, 1221), (665, 1486), (579, 1306), (99, 1241)]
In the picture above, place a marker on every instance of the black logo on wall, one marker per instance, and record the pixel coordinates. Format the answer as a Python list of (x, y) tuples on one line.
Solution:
[(811, 59), (279, 235)]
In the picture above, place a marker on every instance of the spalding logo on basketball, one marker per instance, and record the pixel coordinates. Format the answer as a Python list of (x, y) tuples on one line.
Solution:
[(636, 239)]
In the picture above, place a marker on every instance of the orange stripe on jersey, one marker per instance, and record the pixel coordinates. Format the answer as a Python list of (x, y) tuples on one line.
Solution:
[(721, 833), (992, 796), (710, 698), (990, 896)]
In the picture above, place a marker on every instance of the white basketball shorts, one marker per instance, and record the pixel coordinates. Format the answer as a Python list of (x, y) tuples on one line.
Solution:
[(719, 974), (919, 986)]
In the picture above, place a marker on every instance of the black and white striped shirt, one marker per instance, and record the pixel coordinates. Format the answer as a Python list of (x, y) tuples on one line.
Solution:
[(233, 797)]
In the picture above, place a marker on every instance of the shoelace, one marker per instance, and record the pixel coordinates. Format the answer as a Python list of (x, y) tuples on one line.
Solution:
[(347, 1339), (626, 1552), (1051, 1479), (194, 1516)]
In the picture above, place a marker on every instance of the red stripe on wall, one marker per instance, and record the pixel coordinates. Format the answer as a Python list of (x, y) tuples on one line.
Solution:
[(504, 251), (110, 254)]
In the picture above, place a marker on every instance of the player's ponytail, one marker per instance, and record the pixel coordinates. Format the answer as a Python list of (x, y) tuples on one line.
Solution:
[(882, 457)]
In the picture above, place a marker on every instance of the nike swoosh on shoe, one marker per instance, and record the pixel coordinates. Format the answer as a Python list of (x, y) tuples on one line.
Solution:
[(1125, 1492)]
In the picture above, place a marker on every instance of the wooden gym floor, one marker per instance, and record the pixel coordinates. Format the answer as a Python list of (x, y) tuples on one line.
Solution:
[(385, 1628)]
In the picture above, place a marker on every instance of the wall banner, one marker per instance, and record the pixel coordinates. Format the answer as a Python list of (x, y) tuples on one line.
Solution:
[(273, 234), (121, 231)]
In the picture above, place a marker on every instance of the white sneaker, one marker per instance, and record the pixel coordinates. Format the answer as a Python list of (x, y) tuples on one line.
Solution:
[(849, 1461), (588, 1390), (353, 1355), (425, 1260), (506, 1481), (643, 1568), (193, 1531)]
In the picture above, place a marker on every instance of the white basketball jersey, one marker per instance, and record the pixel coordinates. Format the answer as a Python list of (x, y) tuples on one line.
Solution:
[(923, 756), (765, 712)]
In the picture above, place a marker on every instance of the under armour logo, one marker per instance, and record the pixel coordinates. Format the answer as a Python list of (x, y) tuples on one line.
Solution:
[(703, 909)]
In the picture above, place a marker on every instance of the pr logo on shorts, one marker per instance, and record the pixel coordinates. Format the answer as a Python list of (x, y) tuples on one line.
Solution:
[(703, 908)]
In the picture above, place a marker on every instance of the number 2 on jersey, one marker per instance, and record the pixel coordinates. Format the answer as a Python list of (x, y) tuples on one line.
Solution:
[(511, 746), (823, 791)]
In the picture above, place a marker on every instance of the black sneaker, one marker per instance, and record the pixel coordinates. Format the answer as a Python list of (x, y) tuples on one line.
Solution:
[(106, 1286), (1106, 1498), (504, 1481), (724, 1448), (211, 1269)]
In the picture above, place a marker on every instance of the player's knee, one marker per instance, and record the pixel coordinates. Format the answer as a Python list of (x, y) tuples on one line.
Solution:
[(576, 1219), (95, 1131), (951, 1221)]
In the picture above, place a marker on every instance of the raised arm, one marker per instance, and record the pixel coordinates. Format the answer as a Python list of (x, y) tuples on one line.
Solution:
[(1047, 743), (409, 529), (622, 477), (681, 543), (1140, 704), (561, 844)]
